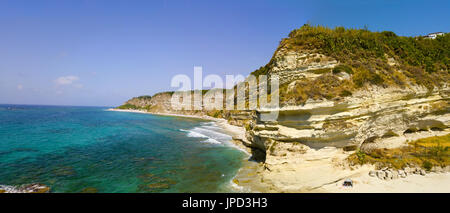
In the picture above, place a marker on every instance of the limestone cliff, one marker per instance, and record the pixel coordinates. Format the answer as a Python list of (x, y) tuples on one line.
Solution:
[(334, 102), (158, 103), (347, 89)]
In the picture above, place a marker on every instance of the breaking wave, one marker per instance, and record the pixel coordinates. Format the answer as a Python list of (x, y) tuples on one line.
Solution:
[(210, 131)]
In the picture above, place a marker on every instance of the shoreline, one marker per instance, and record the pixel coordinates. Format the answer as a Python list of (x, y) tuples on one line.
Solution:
[(204, 117), (430, 183), (235, 132), (323, 172), (228, 129), (306, 173)]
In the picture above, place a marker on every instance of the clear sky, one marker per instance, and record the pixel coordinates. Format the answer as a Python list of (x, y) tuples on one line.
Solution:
[(101, 53)]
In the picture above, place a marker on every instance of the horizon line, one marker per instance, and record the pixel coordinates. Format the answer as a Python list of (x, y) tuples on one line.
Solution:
[(56, 105)]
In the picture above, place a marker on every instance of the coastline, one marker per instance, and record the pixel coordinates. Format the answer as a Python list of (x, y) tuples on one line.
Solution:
[(431, 183), (305, 173), (236, 132), (146, 168), (324, 171), (204, 117)]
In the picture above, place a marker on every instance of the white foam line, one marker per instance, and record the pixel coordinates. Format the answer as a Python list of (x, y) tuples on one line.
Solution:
[(194, 134), (210, 140), (206, 131)]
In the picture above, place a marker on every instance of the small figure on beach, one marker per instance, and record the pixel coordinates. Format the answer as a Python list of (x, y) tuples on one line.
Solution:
[(348, 183)]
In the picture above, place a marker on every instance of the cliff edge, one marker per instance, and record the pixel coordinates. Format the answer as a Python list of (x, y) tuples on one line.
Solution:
[(342, 92)]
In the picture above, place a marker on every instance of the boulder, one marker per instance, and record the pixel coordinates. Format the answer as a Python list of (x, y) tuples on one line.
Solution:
[(394, 174), (369, 145), (350, 148), (401, 173), (381, 174), (389, 175), (422, 172), (372, 173), (408, 171)]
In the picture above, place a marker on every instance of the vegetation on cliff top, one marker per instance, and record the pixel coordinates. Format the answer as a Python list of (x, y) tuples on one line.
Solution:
[(368, 58), (362, 48), (374, 58), (143, 98), (127, 106)]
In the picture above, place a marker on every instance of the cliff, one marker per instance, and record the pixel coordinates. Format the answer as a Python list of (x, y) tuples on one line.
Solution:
[(342, 87), (346, 90), (158, 103)]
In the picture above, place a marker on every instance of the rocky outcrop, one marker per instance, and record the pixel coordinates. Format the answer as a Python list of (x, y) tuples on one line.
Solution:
[(238, 118), (371, 119), (390, 174), (294, 65), (158, 103), (320, 133), (29, 188), (338, 95)]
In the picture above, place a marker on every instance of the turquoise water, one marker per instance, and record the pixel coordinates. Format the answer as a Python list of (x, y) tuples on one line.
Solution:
[(72, 149)]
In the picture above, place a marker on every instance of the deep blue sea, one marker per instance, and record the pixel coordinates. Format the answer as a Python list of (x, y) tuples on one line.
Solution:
[(76, 149)]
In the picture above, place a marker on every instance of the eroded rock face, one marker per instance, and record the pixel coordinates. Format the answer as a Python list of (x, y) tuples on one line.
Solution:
[(158, 103), (390, 174), (370, 119), (238, 118), (367, 118), (293, 65)]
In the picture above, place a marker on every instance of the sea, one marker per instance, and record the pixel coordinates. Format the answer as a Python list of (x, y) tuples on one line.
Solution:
[(90, 149)]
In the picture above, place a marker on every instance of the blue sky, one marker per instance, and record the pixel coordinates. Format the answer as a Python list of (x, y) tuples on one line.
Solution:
[(101, 53)]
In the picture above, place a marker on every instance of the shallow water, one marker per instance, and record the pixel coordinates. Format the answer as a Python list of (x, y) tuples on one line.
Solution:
[(75, 149)]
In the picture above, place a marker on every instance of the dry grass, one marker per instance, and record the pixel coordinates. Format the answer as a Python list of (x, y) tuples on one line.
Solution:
[(443, 141), (327, 86), (425, 153)]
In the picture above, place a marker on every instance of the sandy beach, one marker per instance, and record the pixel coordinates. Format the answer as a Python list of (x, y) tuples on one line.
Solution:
[(430, 183), (320, 172), (165, 114), (324, 171)]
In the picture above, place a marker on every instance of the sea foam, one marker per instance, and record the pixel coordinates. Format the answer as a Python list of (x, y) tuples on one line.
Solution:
[(209, 131)]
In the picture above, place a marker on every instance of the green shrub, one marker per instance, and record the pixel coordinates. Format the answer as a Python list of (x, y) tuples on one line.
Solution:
[(427, 165), (365, 56), (262, 70), (389, 134), (321, 71), (345, 93), (342, 68), (128, 106), (361, 156), (347, 45), (363, 76)]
